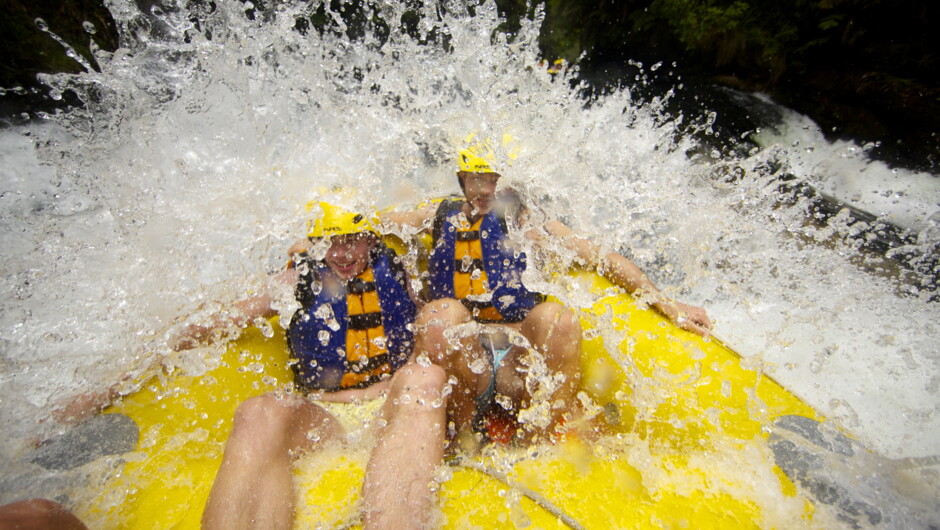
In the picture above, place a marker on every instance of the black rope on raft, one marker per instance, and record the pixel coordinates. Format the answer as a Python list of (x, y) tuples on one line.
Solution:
[(533, 495)]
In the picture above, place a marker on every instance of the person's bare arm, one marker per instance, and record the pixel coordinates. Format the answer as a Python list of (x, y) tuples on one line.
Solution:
[(240, 315), (418, 219), (300, 246), (624, 273), (77, 408)]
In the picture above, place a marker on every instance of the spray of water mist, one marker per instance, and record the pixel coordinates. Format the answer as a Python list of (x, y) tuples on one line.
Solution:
[(183, 178)]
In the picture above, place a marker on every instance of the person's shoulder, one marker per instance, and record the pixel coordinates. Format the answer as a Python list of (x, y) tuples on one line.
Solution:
[(448, 204), (381, 250), (384, 258), (415, 216), (445, 208)]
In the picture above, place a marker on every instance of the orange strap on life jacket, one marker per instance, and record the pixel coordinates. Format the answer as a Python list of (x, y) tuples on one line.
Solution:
[(469, 274), (366, 350)]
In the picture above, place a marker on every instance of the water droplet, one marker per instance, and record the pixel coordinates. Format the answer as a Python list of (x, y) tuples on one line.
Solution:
[(265, 327), (478, 365), (726, 388)]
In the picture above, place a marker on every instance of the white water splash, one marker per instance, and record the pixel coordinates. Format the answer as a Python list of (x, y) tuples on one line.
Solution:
[(183, 182)]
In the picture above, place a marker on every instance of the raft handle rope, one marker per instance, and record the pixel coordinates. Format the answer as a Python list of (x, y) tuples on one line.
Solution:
[(533, 495)]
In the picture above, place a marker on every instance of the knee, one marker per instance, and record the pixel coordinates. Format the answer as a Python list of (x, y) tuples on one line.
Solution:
[(263, 419), (557, 320), (419, 385), (445, 311), (440, 330), (568, 325)]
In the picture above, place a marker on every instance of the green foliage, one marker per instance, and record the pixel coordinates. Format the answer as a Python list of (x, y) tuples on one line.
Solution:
[(831, 22), (695, 22), (561, 38)]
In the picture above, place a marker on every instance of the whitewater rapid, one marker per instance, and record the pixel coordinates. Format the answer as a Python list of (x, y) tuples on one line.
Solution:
[(184, 180)]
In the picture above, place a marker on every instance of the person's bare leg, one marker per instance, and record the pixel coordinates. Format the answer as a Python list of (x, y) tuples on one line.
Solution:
[(466, 362), (38, 514), (254, 486), (555, 333), (397, 491)]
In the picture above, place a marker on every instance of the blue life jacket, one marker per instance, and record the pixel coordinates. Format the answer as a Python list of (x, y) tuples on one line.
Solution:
[(317, 332), (503, 266)]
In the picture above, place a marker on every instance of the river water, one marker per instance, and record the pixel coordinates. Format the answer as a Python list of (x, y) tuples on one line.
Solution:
[(184, 179)]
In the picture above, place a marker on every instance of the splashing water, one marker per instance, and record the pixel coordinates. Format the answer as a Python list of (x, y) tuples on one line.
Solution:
[(183, 180)]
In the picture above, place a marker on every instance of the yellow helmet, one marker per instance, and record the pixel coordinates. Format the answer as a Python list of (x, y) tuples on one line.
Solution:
[(557, 66), (470, 162), (336, 221), (478, 156)]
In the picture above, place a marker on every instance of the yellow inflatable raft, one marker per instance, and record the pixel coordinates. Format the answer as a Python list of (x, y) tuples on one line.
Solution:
[(682, 444)]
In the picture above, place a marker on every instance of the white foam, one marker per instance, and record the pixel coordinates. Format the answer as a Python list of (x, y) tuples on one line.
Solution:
[(186, 181)]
